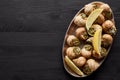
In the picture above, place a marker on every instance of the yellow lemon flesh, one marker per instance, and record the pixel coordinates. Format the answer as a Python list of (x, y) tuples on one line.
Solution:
[(73, 66), (92, 17), (97, 41)]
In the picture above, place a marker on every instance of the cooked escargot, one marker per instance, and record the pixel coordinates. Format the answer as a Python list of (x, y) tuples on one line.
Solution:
[(94, 28), (81, 33), (80, 20), (90, 66), (100, 19), (79, 61), (106, 40), (72, 40), (73, 52), (86, 51), (105, 7), (109, 27), (89, 40), (89, 8), (103, 53), (106, 11)]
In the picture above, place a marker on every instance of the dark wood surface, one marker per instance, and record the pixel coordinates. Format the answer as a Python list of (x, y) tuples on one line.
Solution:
[(31, 38)]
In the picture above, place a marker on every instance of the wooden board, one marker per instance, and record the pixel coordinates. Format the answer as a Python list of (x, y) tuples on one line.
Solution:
[(31, 38)]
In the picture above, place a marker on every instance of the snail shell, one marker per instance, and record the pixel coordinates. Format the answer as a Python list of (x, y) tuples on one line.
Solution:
[(73, 52), (93, 65), (80, 61), (72, 40), (86, 51), (81, 33)]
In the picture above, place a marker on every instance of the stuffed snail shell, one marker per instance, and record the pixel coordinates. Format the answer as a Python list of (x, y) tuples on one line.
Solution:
[(80, 20), (81, 33), (72, 40), (109, 27), (91, 65), (73, 52), (94, 28), (79, 61), (103, 53), (86, 51), (106, 40)]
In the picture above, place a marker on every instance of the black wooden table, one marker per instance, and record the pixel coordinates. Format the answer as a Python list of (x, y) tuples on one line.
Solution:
[(31, 37)]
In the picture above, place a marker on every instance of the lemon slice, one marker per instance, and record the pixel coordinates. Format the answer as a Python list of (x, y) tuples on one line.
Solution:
[(97, 41), (73, 66), (92, 17)]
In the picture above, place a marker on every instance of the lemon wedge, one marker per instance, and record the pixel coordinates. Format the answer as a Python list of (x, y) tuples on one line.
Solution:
[(92, 17), (97, 41), (73, 66)]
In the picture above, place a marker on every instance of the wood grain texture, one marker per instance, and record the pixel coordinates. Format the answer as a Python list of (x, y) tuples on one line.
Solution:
[(31, 37)]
